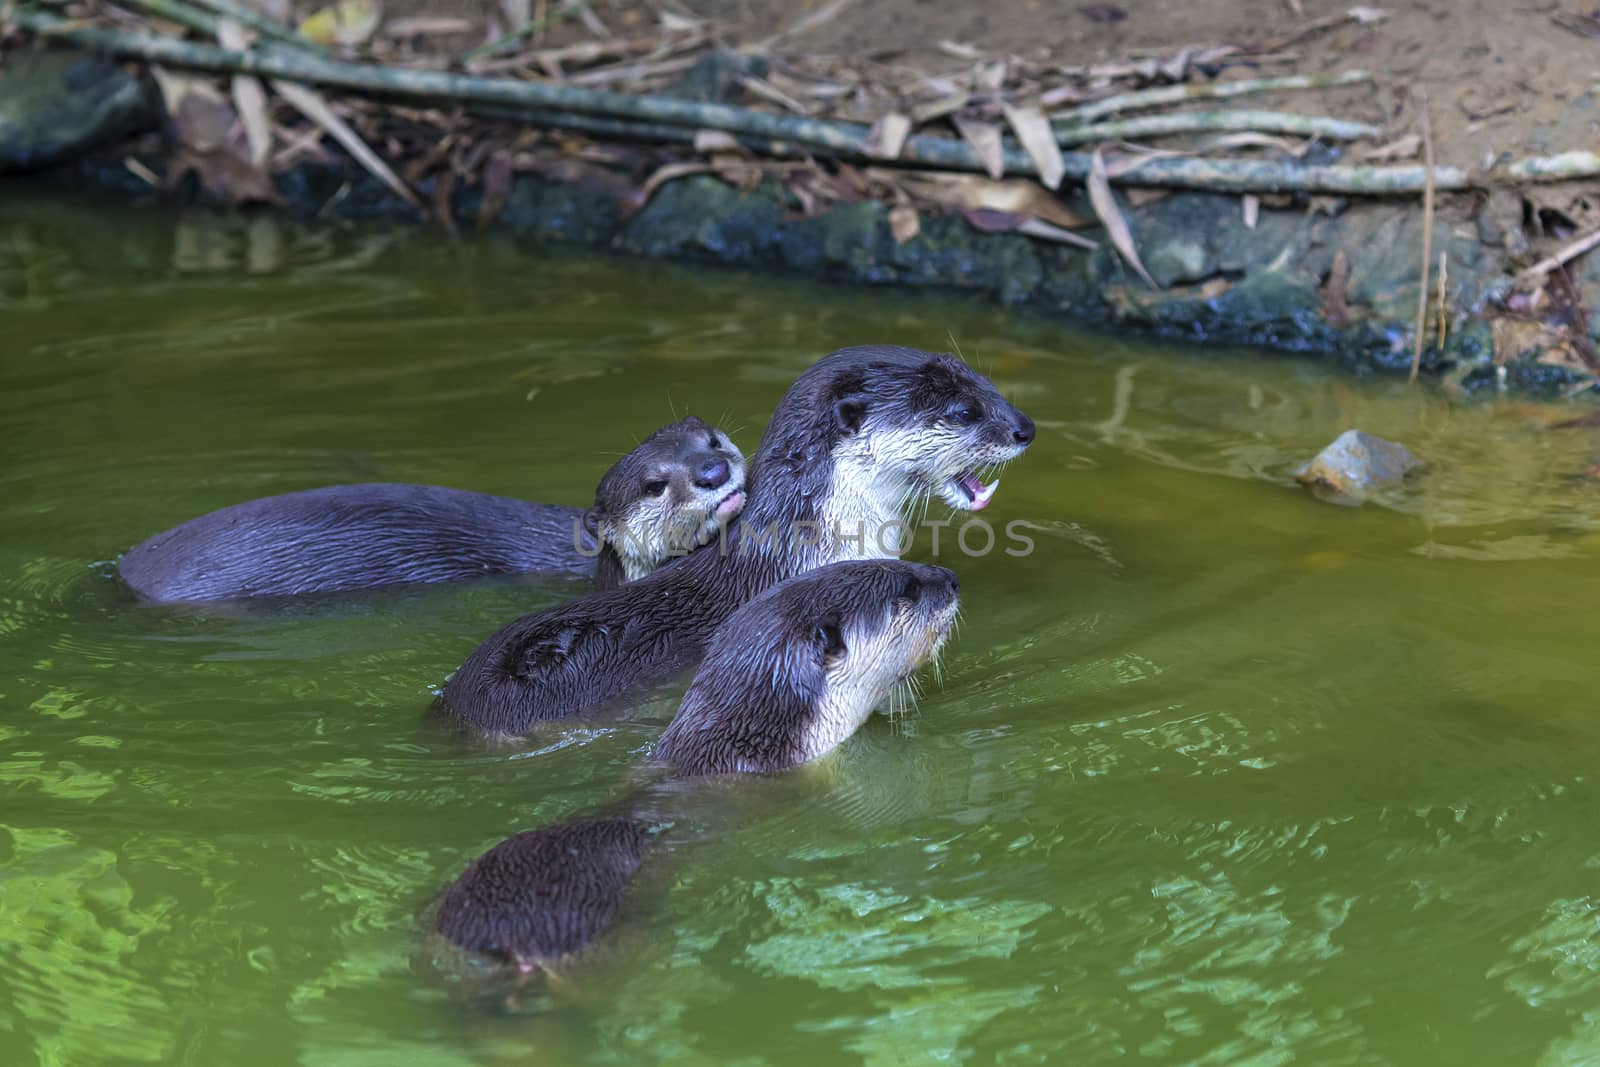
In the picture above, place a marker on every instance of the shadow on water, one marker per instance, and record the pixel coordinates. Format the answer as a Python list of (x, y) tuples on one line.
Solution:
[(1217, 773)]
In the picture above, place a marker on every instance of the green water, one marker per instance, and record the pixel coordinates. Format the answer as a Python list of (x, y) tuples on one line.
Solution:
[(1218, 775)]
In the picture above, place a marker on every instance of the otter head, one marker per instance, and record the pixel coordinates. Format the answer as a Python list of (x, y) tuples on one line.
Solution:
[(895, 425), (666, 497), (793, 673)]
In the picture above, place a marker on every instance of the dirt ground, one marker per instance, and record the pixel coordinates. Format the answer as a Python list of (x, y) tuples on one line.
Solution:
[(1502, 77)]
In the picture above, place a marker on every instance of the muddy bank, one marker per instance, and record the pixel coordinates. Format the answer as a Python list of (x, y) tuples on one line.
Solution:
[(1315, 275)]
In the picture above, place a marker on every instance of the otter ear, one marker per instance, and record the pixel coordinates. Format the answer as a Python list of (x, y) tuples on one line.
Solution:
[(827, 639), (591, 522), (849, 414)]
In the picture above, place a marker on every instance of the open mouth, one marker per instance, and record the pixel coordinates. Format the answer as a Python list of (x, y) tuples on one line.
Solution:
[(967, 493), (729, 506)]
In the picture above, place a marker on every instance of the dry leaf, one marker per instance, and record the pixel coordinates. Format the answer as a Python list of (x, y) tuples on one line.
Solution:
[(675, 23), (1245, 139), (1127, 164), (249, 98), (888, 136), (1515, 338), (665, 174), (1139, 197), (315, 108), (201, 116), (958, 49), (443, 191), (425, 26), (1252, 211), (1020, 196), (1032, 128), (947, 104), (991, 77), (497, 185), (1045, 231), (985, 139), (1105, 205), (989, 220), (348, 22), (715, 141), (209, 144), (1334, 306), (903, 223), (1406, 147)]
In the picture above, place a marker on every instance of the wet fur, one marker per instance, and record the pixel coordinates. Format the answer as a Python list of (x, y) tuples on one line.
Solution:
[(544, 894), (771, 694), (789, 677), (346, 537), (558, 662)]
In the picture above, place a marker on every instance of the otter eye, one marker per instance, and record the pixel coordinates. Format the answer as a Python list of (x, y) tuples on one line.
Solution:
[(655, 488), (965, 413), (714, 441), (911, 589), (830, 642)]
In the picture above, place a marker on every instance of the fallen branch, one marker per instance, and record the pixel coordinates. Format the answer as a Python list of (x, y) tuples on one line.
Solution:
[(1207, 121), (1560, 259), (844, 140), (1427, 237), (1177, 94), (1554, 168)]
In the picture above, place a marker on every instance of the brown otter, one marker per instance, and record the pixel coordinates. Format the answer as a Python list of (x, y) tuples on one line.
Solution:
[(788, 678), (860, 437), (660, 500)]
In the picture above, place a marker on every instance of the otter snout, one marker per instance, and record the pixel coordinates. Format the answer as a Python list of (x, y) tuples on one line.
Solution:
[(931, 586), (1022, 431), (712, 473)]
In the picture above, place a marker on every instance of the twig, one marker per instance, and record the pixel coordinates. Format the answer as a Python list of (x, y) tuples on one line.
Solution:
[(1444, 276), (1427, 234), (1561, 258), (1175, 94), (1204, 121), (1550, 168), (844, 140), (805, 23), (583, 52)]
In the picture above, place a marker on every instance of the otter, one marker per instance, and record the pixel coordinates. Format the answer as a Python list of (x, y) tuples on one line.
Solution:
[(787, 679), (862, 436), (667, 496)]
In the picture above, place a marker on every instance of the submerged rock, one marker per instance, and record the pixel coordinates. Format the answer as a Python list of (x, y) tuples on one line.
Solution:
[(1355, 465), (58, 105)]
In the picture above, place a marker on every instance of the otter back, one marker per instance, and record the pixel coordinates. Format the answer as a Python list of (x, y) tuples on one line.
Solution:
[(346, 537), (546, 893)]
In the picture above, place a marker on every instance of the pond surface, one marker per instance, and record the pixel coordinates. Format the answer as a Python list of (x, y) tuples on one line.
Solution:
[(1219, 774)]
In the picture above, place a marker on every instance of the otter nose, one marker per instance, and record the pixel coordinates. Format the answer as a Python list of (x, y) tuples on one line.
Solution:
[(1023, 434), (713, 474)]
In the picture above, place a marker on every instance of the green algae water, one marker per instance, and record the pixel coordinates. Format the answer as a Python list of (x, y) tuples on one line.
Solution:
[(1219, 774)]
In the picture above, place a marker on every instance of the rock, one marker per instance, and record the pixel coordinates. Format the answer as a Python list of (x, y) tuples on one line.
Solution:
[(1355, 465), (57, 105)]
